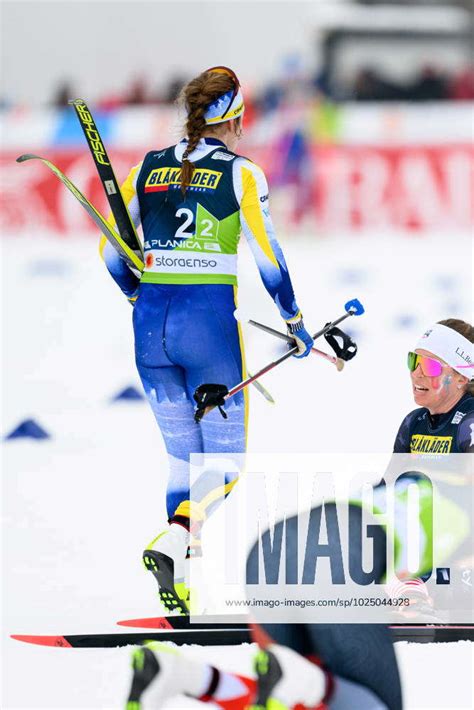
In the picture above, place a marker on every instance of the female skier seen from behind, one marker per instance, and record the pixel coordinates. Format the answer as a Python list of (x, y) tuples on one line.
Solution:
[(193, 199)]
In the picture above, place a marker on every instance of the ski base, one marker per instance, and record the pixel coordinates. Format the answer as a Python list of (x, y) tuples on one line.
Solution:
[(229, 636), (204, 637), (186, 622)]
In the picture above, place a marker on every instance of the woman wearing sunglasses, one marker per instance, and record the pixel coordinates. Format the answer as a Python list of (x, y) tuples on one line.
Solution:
[(360, 667), (193, 200), (359, 659), (442, 373), (442, 377)]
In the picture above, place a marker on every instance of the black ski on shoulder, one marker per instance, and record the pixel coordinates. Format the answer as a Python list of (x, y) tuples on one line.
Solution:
[(125, 225)]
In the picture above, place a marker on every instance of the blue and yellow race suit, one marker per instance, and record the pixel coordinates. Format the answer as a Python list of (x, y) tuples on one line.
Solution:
[(185, 330)]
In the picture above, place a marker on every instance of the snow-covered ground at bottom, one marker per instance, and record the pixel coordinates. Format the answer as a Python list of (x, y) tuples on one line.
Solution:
[(79, 507)]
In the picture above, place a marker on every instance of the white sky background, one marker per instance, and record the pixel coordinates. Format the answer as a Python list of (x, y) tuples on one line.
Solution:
[(101, 46)]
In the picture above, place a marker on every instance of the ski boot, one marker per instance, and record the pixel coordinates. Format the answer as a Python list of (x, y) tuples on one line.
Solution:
[(287, 681), (166, 670), (165, 559), (145, 668), (163, 673)]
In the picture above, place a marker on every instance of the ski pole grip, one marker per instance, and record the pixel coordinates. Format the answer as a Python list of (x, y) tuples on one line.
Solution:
[(354, 307)]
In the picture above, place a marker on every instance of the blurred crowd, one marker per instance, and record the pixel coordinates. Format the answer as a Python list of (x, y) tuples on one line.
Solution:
[(369, 84), (430, 84)]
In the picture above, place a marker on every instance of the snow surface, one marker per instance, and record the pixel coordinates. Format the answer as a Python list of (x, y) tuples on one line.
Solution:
[(79, 507)]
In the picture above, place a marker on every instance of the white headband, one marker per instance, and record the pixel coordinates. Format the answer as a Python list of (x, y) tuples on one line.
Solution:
[(450, 346)]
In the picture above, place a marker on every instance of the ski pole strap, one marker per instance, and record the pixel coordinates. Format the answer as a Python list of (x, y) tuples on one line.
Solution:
[(282, 358), (341, 343), (207, 397), (352, 308)]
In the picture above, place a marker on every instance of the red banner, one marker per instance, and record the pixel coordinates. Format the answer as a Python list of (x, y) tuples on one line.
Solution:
[(34, 199), (341, 188), (409, 188)]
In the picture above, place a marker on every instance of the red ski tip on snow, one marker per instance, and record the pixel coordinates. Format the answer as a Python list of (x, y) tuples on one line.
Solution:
[(159, 622), (58, 641)]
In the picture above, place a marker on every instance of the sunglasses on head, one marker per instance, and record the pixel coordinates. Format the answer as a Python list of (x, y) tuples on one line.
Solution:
[(429, 366), (233, 76)]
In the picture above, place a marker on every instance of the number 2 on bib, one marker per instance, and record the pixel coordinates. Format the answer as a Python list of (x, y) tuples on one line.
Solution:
[(189, 219), (207, 226)]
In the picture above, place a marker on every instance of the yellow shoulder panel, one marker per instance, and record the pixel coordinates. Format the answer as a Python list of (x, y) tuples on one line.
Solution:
[(102, 243), (252, 211)]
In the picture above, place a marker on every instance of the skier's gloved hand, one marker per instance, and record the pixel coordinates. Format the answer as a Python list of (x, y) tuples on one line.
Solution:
[(303, 339)]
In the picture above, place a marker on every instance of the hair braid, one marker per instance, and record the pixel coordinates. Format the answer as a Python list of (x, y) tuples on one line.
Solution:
[(195, 127), (196, 97)]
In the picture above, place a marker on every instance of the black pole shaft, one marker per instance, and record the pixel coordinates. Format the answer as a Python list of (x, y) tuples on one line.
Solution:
[(282, 358)]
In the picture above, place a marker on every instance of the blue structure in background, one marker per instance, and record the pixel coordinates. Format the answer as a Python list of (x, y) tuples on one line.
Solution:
[(28, 429), (68, 132), (405, 320), (352, 276), (128, 394)]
